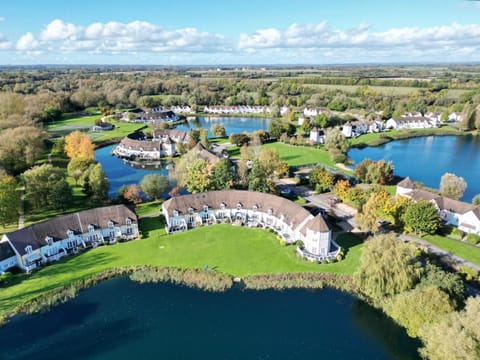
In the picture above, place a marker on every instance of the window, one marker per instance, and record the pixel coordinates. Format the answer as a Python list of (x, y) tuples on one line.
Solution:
[(205, 208), (28, 249), (91, 228), (270, 211), (222, 206), (129, 221), (190, 211), (69, 233), (49, 240), (110, 224), (175, 213), (255, 207), (239, 206)]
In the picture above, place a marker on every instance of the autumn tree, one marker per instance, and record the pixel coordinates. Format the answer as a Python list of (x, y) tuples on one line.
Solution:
[(321, 179), (387, 267), (218, 130), (9, 200), (452, 186), (79, 146), (271, 163), (367, 218), (133, 194), (154, 185), (340, 189), (421, 217), (198, 177)]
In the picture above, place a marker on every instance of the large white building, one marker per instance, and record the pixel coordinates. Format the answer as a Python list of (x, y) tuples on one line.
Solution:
[(35, 245), (289, 220)]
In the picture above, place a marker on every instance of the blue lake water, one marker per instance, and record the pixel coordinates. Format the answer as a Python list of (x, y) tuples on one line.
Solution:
[(426, 159), (119, 319), (120, 172), (233, 125)]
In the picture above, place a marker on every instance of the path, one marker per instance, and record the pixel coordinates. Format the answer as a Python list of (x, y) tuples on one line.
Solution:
[(21, 217)]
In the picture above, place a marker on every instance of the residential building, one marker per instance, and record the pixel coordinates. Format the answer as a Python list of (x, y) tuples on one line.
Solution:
[(289, 220), (317, 136), (49, 241)]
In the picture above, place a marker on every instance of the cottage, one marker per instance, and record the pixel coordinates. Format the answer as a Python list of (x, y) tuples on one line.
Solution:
[(455, 117), (51, 240), (289, 220), (317, 136), (102, 126), (410, 123)]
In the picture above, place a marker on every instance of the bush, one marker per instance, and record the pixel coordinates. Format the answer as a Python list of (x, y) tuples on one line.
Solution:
[(473, 239), (283, 242), (299, 243), (457, 234), (468, 273)]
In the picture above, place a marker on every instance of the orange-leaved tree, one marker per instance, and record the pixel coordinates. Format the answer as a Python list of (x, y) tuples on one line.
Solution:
[(79, 146)]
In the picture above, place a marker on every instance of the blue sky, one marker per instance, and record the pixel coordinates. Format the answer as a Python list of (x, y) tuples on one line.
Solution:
[(242, 32)]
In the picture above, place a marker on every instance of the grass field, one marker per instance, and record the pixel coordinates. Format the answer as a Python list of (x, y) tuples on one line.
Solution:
[(84, 124), (301, 155), (237, 251), (466, 251), (384, 90)]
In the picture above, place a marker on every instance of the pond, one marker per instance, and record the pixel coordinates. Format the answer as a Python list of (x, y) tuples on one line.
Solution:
[(426, 159), (120, 319), (233, 125), (120, 172)]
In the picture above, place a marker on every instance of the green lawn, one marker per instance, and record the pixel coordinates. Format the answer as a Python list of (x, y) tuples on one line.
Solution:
[(301, 155), (466, 251), (237, 251), (84, 123)]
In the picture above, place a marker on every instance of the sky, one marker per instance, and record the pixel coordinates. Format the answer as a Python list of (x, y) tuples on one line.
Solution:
[(246, 32)]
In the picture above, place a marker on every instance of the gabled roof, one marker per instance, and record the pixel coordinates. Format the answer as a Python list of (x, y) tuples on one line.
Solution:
[(420, 194), (205, 154), (6, 251), (452, 205), (279, 206), (56, 228), (406, 183)]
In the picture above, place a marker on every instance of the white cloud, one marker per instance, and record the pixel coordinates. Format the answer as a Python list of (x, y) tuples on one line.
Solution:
[(27, 42), (418, 41), (116, 37)]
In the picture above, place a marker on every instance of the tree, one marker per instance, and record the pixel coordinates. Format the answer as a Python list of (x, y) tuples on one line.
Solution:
[(270, 161), (46, 187), (79, 146), (419, 307), (257, 181), (77, 167), (154, 185), (321, 179), (476, 200), (19, 147), (218, 130), (336, 144), (238, 139), (223, 175), (341, 188), (204, 138), (9, 200), (452, 186), (421, 217), (367, 219), (448, 282), (387, 267), (455, 336), (97, 182), (133, 194), (198, 177), (374, 172)]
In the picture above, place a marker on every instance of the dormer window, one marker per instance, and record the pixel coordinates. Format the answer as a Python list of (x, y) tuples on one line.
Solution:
[(175, 212), (91, 228), (28, 249), (255, 207), (205, 208), (49, 240), (222, 206), (69, 233), (110, 224), (270, 211), (239, 206), (129, 221), (190, 211)]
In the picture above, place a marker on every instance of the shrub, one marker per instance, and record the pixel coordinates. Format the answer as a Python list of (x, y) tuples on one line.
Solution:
[(468, 273), (457, 234), (473, 239), (283, 242), (299, 243)]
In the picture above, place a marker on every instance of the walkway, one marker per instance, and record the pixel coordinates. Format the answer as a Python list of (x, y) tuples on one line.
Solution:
[(21, 217)]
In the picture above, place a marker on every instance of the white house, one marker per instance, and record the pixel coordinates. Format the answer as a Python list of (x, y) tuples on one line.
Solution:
[(470, 221), (375, 126), (50, 240), (455, 117), (289, 220), (8, 258), (354, 128), (410, 123), (317, 136)]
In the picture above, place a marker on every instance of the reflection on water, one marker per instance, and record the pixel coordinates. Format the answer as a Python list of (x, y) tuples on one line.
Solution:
[(427, 159), (119, 319)]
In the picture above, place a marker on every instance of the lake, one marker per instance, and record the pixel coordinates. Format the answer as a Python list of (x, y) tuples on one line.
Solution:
[(426, 159), (120, 319), (120, 172), (233, 125)]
